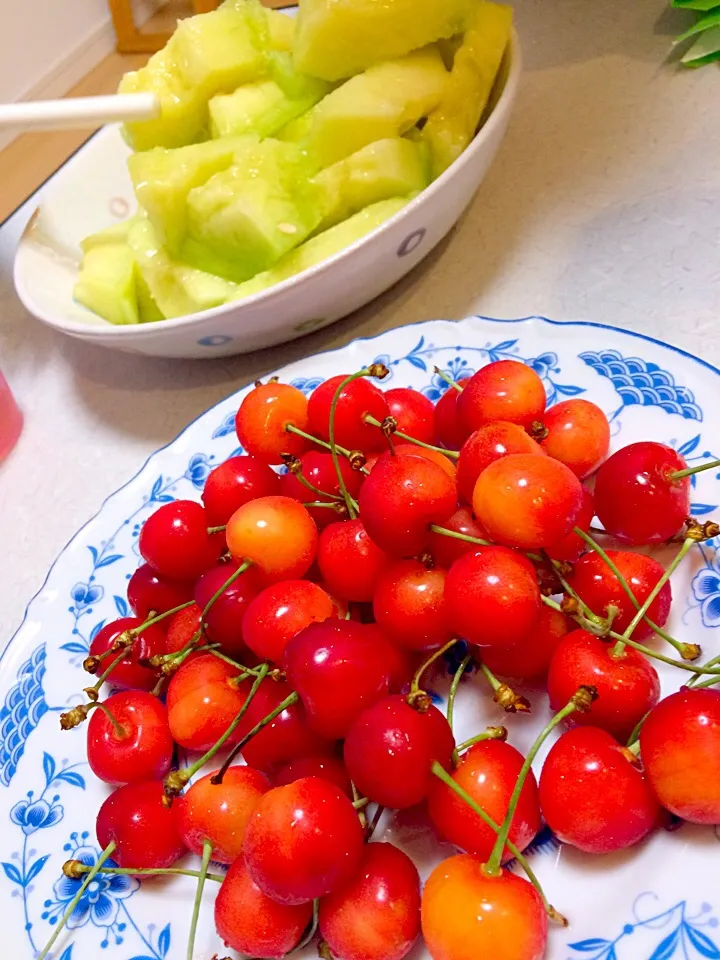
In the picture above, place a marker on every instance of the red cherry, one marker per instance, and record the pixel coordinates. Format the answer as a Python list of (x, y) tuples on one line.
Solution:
[(680, 748), (578, 435), (400, 662), (262, 420), (175, 541), (503, 390), (600, 589), (303, 841), (487, 771), (486, 445), (571, 546), (636, 499), (137, 746), (323, 765), (401, 498), (148, 591), (274, 617), (235, 482), (492, 597), (224, 620), (338, 670), (275, 533), (250, 922), (527, 501), (530, 659), (627, 685), (318, 468), (390, 748), (349, 561), (182, 628), (449, 430), (414, 413), (357, 398), (377, 915), (219, 813), (136, 819), (403, 449), (202, 701), (409, 605), (128, 674), (500, 917), (446, 550), (592, 794)]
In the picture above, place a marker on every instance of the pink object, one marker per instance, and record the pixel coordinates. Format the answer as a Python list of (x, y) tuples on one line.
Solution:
[(11, 419)]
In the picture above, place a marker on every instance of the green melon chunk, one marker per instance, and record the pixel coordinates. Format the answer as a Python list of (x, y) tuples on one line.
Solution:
[(115, 233), (106, 283)]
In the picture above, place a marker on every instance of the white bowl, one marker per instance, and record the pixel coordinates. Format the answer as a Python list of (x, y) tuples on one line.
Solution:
[(94, 188)]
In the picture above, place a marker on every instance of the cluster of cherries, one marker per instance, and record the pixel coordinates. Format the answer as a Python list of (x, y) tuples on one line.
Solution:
[(290, 618)]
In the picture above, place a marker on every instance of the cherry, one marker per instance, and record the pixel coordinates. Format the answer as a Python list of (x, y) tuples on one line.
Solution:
[(500, 917), (571, 546), (128, 673), (530, 660), (600, 589), (182, 628), (338, 669), (400, 662), (252, 923), (627, 685), (274, 616), (275, 533), (175, 541), (262, 420), (318, 468), (401, 498), (202, 700), (224, 619), (356, 399), (636, 498), (128, 739), (492, 597), (409, 605), (377, 915), (147, 591), (349, 561), (414, 413), (136, 819), (593, 795), (578, 435), (235, 482), (488, 772), (403, 449), (324, 765), (448, 428), (502, 390), (219, 813), (303, 841), (486, 445), (527, 501), (680, 748), (390, 748), (446, 550)]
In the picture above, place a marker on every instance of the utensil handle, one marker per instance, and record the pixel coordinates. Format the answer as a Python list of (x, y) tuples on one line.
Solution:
[(79, 112)]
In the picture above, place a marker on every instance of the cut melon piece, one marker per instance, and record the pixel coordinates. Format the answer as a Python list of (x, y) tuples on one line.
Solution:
[(384, 169), (106, 283), (148, 310), (383, 102), (281, 29), (339, 38), (115, 233), (451, 127)]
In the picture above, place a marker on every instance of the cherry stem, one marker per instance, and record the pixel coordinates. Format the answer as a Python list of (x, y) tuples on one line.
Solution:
[(218, 529), (136, 631), (454, 688), (81, 868), (415, 685), (106, 673), (206, 854), (119, 729), (692, 682), (218, 593), (359, 802), (348, 454), (439, 771), (633, 738), (679, 474), (448, 380), (584, 608), (312, 927), (372, 826), (94, 870), (294, 465), (492, 733), (350, 503), (450, 454), (325, 504), (466, 538)]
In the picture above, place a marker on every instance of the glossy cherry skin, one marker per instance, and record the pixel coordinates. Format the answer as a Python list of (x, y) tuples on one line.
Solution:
[(390, 749), (202, 701), (277, 534), (318, 468), (274, 616), (487, 771), (401, 498), (324, 765), (530, 659), (527, 501), (409, 605), (680, 747), (175, 542), (446, 550), (356, 399), (578, 435), (500, 917), (128, 674), (144, 830), (235, 482), (144, 748), (350, 562), (571, 546), (219, 813), (401, 448), (252, 923), (263, 417), (504, 390), (414, 413), (492, 597), (400, 662), (600, 589), (635, 498), (303, 841), (627, 685), (377, 915), (338, 670), (223, 621), (147, 591), (593, 795), (182, 627), (486, 445), (449, 431)]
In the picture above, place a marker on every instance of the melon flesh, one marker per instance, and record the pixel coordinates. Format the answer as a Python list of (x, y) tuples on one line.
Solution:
[(115, 233), (106, 283), (281, 31)]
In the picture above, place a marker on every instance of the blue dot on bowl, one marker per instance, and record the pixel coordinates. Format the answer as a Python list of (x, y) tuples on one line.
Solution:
[(411, 242), (216, 340)]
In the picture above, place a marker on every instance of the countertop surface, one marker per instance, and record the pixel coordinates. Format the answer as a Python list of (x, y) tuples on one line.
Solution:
[(603, 205)]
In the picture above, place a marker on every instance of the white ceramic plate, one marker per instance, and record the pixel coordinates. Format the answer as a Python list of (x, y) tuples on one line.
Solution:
[(659, 901)]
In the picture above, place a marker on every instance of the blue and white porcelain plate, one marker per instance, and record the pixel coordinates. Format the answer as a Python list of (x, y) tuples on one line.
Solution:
[(660, 900)]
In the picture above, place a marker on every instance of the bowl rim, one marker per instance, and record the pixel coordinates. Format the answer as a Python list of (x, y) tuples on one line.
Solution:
[(149, 330)]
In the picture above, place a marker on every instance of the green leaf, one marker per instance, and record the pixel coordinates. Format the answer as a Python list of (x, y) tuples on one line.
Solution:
[(705, 49), (695, 4), (703, 24)]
